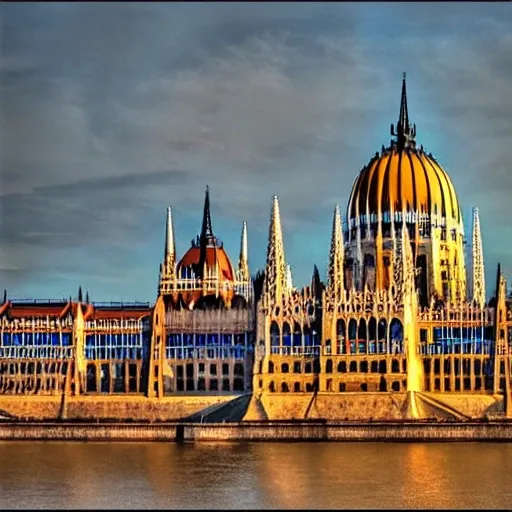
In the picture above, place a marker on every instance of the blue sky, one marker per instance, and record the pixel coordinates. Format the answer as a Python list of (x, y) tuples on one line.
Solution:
[(111, 112)]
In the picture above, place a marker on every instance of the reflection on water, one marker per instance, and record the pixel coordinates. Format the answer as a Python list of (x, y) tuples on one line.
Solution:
[(256, 475)]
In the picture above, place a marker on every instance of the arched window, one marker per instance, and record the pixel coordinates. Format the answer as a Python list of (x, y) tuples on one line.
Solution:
[(382, 336), (274, 334), (297, 335), (342, 367), (396, 335), (287, 335), (341, 334), (328, 366)]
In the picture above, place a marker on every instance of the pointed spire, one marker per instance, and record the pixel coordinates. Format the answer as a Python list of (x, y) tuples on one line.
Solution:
[(206, 229), (404, 133), (5, 296), (317, 286), (170, 244), (478, 278), (206, 238), (87, 300), (275, 270), (80, 295), (335, 274), (243, 260), (168, 268)]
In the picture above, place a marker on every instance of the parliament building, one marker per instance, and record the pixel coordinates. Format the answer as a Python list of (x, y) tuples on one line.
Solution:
[(401, 314)]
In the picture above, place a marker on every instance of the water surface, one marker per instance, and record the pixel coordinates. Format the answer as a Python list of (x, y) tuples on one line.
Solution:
[(255, 475)]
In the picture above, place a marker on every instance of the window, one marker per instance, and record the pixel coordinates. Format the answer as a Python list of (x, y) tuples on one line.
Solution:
[(213, 369)]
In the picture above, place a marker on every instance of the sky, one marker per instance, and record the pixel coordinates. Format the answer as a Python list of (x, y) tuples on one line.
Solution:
[(110, 112)]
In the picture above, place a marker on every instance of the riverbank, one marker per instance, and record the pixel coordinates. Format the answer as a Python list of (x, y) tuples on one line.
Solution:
[(256, 431)]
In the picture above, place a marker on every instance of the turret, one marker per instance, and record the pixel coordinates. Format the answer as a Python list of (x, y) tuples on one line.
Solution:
[(478, 277), (275, 271)]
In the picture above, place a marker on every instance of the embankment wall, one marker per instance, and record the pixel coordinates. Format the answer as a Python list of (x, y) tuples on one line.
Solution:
[(110, 407), (261, 431)]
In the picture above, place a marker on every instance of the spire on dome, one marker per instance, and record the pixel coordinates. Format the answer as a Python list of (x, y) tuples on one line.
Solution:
[(206, 230), (404, 133), (206, 238)]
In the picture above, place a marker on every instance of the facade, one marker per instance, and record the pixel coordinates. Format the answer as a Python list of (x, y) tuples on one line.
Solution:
[(401, 311), (73, 347), (204, 318)]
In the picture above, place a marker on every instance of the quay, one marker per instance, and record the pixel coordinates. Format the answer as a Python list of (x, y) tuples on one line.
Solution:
[(267, 431)]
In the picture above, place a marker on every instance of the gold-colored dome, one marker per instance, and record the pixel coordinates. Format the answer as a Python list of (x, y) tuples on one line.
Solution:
[(403, 180)]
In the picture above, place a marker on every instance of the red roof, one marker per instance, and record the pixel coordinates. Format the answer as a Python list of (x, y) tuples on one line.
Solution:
[(213, 255)]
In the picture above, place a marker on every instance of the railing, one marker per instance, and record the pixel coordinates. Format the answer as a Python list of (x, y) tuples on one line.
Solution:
[(38, 301), (36, 353), (208, 353), (296, 351), (121, 305)]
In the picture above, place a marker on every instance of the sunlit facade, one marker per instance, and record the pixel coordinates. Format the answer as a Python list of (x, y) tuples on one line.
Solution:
[(401, 311)]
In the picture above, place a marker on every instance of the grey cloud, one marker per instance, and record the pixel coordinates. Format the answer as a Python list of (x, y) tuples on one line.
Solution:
[(250, 99)]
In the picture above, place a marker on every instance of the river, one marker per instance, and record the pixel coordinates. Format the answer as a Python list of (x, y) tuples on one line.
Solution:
[(255, 475)]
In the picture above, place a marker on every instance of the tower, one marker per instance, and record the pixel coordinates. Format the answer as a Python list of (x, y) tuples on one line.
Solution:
[(243, 260), (168, 267), (478, 277), (336, 269), (275, 271)]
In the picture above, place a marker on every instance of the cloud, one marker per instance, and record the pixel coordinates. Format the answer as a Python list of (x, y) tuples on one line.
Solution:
[(110, 113)]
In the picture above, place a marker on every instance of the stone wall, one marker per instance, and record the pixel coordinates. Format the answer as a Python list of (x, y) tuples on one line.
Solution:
[(112, 407), (335, 406), (260, 431)]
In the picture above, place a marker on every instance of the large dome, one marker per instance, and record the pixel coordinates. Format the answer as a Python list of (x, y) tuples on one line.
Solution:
[(403, 186), (403, 180)]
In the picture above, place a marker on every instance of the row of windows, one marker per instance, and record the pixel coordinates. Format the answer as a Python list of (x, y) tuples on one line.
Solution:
[(19, 352), (116, 340), (456, 347), (237, 352), (296, 351), (113, 353), (460, 333), (307, 340), (36, 338), (363, 347), (201, 340)]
